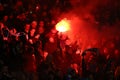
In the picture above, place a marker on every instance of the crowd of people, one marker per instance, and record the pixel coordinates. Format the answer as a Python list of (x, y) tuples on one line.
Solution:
[(32, 49)]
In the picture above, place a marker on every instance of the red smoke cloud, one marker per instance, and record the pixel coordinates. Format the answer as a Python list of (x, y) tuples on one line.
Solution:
[(84, 27)]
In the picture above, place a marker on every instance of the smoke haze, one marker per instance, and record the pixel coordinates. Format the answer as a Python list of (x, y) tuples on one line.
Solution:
[(85, 29)]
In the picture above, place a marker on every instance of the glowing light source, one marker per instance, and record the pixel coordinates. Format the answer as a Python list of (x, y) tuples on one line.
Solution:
[(63, 25)]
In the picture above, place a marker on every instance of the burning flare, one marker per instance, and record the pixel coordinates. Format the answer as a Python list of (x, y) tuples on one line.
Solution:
[(63, 25)]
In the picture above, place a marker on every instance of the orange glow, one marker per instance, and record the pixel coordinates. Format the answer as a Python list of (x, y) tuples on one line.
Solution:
[(63, 25)]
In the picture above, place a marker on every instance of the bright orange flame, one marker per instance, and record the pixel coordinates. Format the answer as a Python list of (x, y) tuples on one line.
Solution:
[(63, 25)]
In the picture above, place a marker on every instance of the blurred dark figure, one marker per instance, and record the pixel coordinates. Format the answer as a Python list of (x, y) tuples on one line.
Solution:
[(72, 73), (29, 63), (117, 73), (108, 71), (46, 69)]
